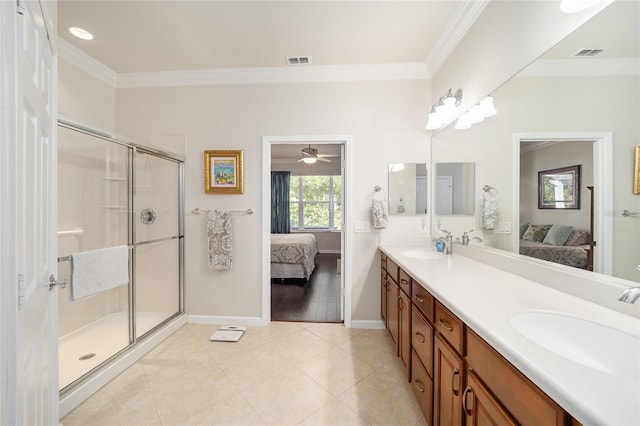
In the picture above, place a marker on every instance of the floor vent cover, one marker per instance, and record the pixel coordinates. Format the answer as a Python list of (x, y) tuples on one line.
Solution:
[(298, 60), (588, 52)]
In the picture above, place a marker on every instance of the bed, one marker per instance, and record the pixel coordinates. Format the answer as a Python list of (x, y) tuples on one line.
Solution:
[(293, 255), (572, 248)]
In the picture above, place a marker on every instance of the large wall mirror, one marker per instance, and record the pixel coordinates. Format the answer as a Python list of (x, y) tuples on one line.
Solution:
[(408, 187), (572, 106), (455, 187)]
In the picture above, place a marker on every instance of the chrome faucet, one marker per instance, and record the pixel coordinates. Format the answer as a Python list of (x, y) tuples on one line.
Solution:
[(466, 239), (630, 295), (447, 240)]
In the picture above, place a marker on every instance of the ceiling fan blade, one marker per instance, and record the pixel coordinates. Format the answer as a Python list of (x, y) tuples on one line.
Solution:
[(323, 159), (305, 153)]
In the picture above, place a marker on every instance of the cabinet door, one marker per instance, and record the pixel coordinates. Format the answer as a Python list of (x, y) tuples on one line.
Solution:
[(480, 407), (404, 331), (447, 385), (392, 312), (384, 294), (422, 385), (422, 339)]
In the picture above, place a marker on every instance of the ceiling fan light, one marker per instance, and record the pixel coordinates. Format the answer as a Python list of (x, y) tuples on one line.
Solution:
[(486, 107), (309, 160)]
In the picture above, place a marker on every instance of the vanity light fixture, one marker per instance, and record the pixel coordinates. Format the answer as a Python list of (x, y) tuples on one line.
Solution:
[(476, 113), (444, 110), (81, 33)]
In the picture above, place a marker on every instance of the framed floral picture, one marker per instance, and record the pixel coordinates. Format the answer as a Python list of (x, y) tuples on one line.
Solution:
[(223, 172)]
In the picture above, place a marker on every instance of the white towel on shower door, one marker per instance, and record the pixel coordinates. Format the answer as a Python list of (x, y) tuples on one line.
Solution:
[(220, 244), (99, 270)]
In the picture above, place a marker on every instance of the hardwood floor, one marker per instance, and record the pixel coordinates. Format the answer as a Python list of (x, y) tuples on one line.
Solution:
[(316, 300)]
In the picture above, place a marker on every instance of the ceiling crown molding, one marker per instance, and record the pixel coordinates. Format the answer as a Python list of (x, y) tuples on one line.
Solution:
[(590, 67), (85, 62), (457, 28), (271, 75)]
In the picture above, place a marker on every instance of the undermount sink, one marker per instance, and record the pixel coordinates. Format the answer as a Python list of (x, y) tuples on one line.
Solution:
[(423, 254), (582, 341)]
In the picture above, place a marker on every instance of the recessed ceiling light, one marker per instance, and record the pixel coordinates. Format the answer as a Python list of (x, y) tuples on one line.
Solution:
[(81, 33)]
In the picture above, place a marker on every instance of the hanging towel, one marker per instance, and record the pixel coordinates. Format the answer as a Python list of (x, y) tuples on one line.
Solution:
[(220, 239), (489, 215), (99, 270), (379, 213)]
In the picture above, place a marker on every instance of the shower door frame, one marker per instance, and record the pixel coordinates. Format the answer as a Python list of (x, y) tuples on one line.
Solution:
[(133, 148)]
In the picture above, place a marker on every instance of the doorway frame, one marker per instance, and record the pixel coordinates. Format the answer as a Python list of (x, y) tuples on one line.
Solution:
[(602, 178), (346, 287)]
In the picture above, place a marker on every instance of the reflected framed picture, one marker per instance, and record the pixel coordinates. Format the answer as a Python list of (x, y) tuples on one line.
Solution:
[(559, 188), (223, 172), (636, 172)]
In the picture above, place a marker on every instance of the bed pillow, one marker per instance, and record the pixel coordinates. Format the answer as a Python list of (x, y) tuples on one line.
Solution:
[(536, 232), (578, 237), (523, 228), (557, 235)]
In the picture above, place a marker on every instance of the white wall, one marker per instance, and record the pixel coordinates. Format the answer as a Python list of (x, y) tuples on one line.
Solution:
[(385, 119), (564, 154)]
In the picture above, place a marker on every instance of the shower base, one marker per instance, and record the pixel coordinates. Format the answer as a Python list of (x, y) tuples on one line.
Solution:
[(84, 349)]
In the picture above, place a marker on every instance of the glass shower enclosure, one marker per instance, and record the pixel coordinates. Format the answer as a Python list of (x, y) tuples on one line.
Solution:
[(113, 192)]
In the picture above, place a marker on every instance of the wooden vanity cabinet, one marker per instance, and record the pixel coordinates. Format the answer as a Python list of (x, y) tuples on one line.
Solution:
[(520, 397), (480, 407), (448, 384)]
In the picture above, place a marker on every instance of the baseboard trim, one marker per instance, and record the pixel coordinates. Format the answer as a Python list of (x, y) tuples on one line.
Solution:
[(211, 319), (373, 325)]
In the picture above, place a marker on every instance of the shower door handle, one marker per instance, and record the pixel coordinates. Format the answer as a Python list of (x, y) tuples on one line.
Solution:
[(53, 282)]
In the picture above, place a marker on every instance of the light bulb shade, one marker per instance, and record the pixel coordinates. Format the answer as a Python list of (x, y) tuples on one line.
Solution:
[(486, 107), (463, 122), (309, 160), (433, 121), (475, 116)]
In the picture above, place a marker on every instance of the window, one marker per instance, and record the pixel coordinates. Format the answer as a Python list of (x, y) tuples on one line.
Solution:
[(315, 202)]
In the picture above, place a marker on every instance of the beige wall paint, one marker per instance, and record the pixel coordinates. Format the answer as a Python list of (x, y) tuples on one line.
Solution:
[(84, 98), (385, 119)]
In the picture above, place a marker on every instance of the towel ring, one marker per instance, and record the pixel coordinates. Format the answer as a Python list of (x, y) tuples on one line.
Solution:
[(377, 190), (489, 193)]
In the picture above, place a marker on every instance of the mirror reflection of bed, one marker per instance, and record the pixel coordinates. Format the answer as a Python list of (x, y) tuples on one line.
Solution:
[(306, 236)]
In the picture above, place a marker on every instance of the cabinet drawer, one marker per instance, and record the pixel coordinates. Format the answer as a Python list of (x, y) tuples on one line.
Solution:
[(523, 399), (423, 300), (422, 385), (392, 270), (404, 282), (450, 327), (422, 339)]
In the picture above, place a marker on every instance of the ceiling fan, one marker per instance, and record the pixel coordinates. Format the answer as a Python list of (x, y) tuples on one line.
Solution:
[(310, 155)]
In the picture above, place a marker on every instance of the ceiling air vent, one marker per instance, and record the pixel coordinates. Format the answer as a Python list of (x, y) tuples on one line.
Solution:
[(298, 60), (588, 52)]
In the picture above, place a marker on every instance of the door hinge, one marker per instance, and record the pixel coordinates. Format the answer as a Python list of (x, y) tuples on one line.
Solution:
[(21, 290), (19, 7)]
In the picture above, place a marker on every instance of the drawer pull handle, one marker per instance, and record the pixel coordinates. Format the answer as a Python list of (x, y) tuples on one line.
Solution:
[(403, 281), (465, 407), (419, 298), (420, 337), (445, 324), (456, 389), (419, 385)]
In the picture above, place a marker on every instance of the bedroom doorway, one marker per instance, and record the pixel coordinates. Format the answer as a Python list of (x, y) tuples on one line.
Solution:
[(597, 149), (317, 189)]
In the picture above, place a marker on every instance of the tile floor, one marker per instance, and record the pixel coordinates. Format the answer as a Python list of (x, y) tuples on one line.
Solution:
[(285, 373)]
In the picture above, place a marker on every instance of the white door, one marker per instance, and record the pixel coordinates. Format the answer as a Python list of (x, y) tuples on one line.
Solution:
[(36, 328), (444, 195)]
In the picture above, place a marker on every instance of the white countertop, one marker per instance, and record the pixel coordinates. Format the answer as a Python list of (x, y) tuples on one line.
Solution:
[(485, 298)]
